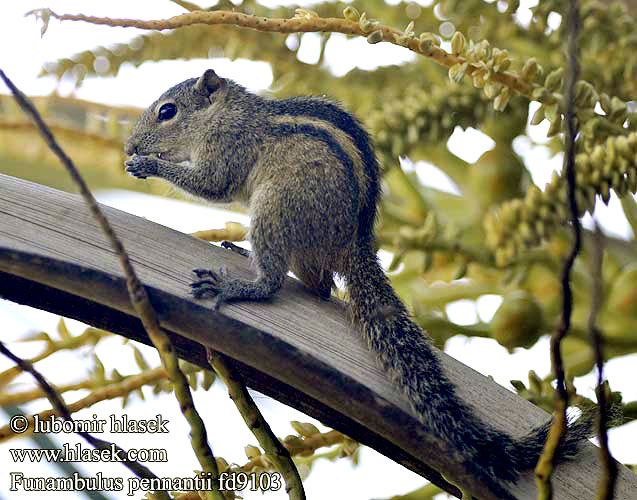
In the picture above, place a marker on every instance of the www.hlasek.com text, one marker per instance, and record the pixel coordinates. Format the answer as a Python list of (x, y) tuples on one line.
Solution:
[(79, 453)]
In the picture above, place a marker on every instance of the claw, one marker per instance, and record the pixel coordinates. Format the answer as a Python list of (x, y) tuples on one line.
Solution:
[(202, 273), (200, 283), (204, 288), (210, 284), (235, 248)]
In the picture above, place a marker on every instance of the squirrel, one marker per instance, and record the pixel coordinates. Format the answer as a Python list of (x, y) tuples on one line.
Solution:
[(306, 169)]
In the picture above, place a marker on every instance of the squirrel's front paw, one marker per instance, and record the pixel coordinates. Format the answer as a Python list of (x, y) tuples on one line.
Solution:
[(141, 166)]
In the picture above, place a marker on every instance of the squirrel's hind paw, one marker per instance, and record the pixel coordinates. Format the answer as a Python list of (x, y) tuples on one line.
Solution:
[(210, 284)]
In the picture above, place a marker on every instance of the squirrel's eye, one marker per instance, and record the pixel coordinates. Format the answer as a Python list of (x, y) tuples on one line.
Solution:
[(167, 111)]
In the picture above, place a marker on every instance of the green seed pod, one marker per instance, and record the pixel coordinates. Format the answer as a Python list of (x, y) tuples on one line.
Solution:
[(305, 429), (457, 71), (538, 116), (501, 60), (604, 102), (631, 176), (491, 89), (427, 42), (375, 37), (585, 94), (619, 117), (518, 321), (395, 261), (535, 383), (530, 70), (541, 229), (622, 298), (512, 6), (208, 379), (598, 158), (502, 65), (580, 178), (619, 184), (590, 196), (458, 42), (581, 162), (554, 79), (501, 101), (470, 53), (551, 112), (501, 258), (525, 230), (402, 40), (579, 358), (222, 465), (293, 441), (365, 24), (351, 14), (611, 155), (622, 166), (561, 210), (585, 114), (252, 451), (540, 94), (483, 50), (621, 144), (595, 177), (426, 46), (581, 201), (427, 262), (533, 197), (430, 226), (605, 192), (556, 127), (616, 104), (461, 271), (479, 78)]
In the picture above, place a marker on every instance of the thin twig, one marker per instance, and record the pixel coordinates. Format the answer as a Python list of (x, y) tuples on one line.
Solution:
[(545, 464), (607, 483), (139, 299), (298, 24), (88, 337), (277, 453), (298, 446), (19, 398), (63, 411)]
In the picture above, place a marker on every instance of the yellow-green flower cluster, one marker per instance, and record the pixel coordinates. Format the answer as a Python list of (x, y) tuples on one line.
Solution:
[(423, 116), (522, 223), (481, 62), (484, 61), (607, 29)]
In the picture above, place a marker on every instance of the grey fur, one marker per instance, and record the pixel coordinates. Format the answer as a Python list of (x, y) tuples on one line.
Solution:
[(307, 172)]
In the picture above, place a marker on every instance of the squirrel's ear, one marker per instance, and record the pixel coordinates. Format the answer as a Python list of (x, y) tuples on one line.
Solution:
[(208, 82)]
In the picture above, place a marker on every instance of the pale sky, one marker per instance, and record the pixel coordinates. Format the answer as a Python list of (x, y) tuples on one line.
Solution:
[(23, 54)]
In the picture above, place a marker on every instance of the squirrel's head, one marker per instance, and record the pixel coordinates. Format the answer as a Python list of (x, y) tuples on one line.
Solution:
[(167, 127)]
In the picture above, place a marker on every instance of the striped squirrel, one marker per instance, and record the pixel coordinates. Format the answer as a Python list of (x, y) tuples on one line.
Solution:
[(307, 171)]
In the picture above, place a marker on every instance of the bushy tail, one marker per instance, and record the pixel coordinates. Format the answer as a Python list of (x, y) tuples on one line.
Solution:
[(408, 358)]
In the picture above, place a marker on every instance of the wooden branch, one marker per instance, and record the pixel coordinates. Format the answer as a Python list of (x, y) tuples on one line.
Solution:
[(297, 348)]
